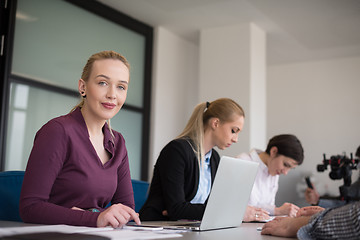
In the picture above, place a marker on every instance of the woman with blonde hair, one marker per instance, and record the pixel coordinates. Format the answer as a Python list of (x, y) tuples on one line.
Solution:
[(78, 164), (186, 167)]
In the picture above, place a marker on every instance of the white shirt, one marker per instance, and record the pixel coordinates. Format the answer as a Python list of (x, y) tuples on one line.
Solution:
[(265, 186)]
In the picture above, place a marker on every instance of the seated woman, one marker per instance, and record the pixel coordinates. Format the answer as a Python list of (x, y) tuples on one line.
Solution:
[(78, 164), (282, 153), (186, 167)]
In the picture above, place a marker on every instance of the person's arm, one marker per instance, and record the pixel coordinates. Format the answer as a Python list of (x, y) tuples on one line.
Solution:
[(284, 226), (336, 223), (289, 226), (176, 168), (286, 209), (124, 193), (44, 164), (255, 214), (309, 211)]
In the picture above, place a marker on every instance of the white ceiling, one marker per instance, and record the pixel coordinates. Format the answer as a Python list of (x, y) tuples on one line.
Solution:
[(297, 30)]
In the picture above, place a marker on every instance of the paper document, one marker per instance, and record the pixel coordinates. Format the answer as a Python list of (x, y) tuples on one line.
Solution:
[(127, 233)]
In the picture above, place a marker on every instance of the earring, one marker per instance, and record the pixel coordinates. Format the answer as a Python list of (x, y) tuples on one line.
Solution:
[(83, 94)]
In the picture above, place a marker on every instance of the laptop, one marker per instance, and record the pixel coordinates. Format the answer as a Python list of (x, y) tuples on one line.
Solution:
[(227, 201)]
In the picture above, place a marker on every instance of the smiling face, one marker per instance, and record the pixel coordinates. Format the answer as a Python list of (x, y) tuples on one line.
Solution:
[(225, 134), (279, 164), (106, 89)]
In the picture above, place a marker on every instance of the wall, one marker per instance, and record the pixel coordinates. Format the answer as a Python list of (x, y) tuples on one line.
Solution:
[(224, 71), (317, 101), (314, 100), (232, 64), (174, 89)]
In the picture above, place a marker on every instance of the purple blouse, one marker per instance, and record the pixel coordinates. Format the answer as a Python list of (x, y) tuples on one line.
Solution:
[(64, 171)]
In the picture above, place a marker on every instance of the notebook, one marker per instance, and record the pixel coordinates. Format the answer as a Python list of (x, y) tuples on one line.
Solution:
[(227, 201)]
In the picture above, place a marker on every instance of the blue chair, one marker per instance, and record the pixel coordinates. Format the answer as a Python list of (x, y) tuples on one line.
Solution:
[(10, 188), (140, 193)]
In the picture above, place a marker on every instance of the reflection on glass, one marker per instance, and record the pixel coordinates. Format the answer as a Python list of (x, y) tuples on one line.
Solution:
[(29, 109), (16, 142), (53, 39), (129, 124)]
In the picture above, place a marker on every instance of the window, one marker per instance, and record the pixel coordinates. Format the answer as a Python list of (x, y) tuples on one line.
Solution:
[(51, 42)]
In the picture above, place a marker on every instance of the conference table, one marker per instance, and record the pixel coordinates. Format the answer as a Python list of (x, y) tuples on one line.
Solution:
[(245, 231)]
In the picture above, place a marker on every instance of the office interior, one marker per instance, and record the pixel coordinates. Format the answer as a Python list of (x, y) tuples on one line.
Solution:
[(294, 66)]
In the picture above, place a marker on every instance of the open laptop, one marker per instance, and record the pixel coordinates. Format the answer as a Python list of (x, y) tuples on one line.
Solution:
[(227, 201)]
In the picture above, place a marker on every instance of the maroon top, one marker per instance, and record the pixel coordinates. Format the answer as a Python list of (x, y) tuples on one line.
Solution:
[(64, 171)]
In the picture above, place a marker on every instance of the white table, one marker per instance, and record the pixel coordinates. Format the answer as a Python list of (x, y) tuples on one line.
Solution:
[(245, 231)]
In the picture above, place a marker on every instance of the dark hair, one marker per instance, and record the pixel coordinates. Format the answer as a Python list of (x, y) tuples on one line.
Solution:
[(287, 145), (357, 154)]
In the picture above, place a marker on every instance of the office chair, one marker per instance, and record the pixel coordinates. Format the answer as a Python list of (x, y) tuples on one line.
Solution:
[(10, 188), (140, 193)]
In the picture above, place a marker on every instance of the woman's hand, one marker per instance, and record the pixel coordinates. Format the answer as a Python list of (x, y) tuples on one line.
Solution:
[(117, 215), (284, 226), (255, 214), (309, 211), (287, 209)]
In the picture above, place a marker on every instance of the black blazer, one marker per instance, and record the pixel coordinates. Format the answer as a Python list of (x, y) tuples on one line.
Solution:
[(175, 183)]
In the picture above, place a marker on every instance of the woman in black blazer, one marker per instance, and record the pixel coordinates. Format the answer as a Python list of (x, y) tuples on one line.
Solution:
[(186, 167)]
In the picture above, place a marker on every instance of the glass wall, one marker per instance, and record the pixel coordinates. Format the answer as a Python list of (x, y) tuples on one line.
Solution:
[(52, 41), (30, 108)]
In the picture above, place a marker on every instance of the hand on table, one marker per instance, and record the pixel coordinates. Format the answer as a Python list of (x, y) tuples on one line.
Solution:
[(117, 215), (284, 226), (287, 209), (255, 214), (309, 211)]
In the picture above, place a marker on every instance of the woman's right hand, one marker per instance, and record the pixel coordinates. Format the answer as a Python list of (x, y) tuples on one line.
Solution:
[(255, 214), (117, 215)]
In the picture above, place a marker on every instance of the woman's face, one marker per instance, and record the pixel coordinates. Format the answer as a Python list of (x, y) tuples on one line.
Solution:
[(225, 134), (106, 88), (279, 164)]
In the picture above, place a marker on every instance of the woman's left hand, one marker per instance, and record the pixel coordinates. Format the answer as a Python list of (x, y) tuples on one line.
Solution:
[(255, 214)]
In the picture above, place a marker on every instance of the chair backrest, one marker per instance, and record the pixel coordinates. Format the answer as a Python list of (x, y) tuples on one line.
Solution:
[(10, 188), (140, 193)]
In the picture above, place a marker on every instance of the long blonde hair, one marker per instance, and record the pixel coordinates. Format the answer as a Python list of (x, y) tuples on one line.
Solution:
[(225, 109), (88, 68)]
